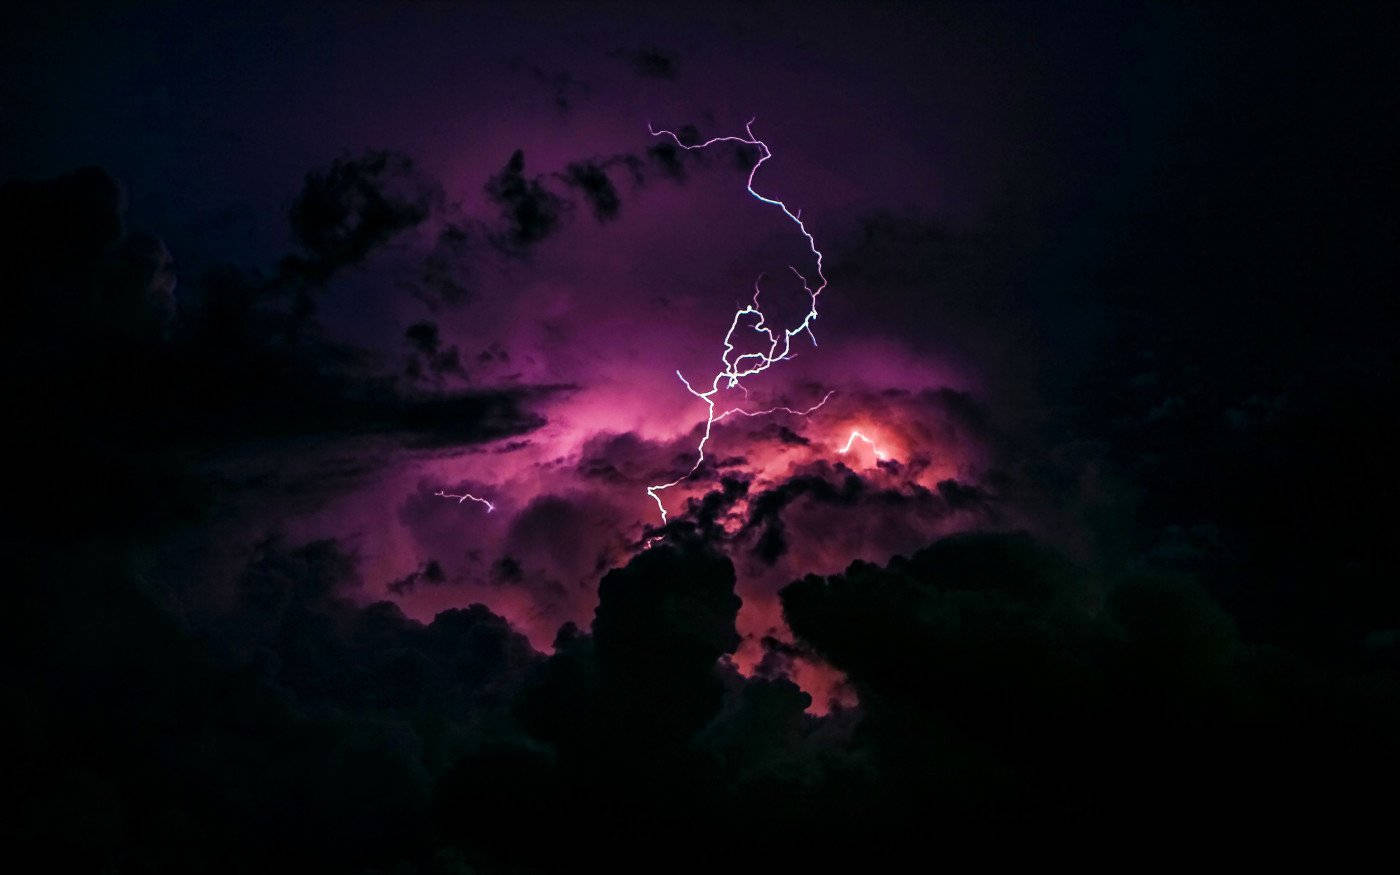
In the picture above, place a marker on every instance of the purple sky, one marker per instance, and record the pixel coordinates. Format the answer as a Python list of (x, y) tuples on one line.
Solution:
[(968, 127)]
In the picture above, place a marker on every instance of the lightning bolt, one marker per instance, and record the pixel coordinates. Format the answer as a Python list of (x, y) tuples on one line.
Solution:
[(736, 368), (467, 497), (741, 412), (856, 435)]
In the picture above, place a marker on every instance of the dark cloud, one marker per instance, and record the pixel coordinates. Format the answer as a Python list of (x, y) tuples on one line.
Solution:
[(493, 353), (557, 547), (530, 212), (423, 336), (673, 160), (1006, 633), (431, 574), (960, 496), (826, 485), (299, 621), (615, 711), (779, 658), (141, 300), (670, 158), (238, 359), (590, 179), (776, 431), (714, 507), (448, 278), (508, 571), (76, 272), (1041, 697), (622, 459), (648, 61), (668, 614), (430, 358), (291, 728), (352, 207), (57, 232)]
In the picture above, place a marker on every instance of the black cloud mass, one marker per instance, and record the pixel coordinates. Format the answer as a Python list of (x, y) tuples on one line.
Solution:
[(322, 733)]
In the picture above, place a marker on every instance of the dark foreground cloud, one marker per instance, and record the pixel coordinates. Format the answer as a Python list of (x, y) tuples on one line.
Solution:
[(1047, 697), (1003, 689), (292, 730)]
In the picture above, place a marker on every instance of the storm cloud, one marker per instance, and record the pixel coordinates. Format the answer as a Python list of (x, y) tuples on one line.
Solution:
[(1068, 526)]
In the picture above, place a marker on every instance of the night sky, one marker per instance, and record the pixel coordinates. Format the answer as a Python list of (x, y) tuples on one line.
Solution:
[(1073, 521)]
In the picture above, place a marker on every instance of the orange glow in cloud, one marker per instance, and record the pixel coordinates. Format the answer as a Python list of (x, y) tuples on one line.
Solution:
[(858, 435)]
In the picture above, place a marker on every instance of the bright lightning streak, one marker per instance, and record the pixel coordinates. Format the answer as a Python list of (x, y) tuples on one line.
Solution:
[(773, 410), (879, 454), (779, 345), (467, 497)]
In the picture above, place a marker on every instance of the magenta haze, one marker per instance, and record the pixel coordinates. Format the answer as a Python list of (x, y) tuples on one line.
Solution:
[(748, 364)]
